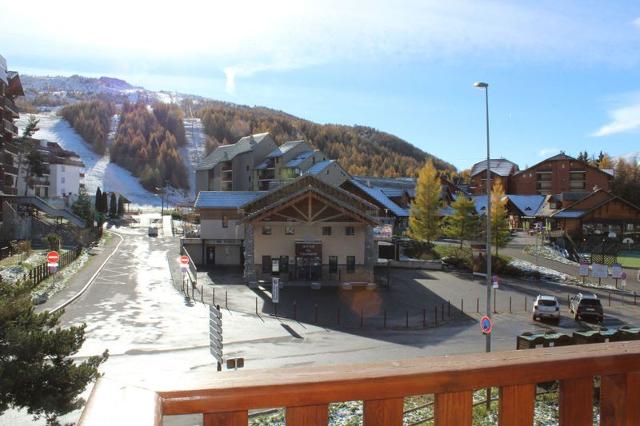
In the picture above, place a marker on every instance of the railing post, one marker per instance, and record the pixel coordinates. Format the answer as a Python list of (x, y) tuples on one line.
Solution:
[(516, 404), (407, 319), (454, 408), (509, 304), (576, 402), (383, 412), (307, 415), (619, 395), (477, 305)]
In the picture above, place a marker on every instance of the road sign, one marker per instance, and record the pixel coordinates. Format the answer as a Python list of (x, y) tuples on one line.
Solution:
[(616, 271), (52, 258), (275, 289), (494, 280), (584, 269), (599, 270), (623, 275), (486, 324), (184, 260)]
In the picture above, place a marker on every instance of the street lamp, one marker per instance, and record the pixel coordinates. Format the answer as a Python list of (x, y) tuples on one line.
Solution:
[(485, 86)]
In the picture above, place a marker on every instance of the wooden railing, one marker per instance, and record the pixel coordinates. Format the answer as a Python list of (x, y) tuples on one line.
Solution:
[(225, 398)]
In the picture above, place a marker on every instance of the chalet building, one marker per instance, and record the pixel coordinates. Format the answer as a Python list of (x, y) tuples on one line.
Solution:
[(560, 174), (257, 163), (304, 230), (501, 170), (10, 89), (599, 213)]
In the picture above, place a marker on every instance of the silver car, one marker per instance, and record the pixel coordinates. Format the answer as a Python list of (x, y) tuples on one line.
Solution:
[(546, 307)]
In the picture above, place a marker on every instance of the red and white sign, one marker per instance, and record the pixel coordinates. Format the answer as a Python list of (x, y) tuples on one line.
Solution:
[(486, 324), (184, 260), (52, 258)]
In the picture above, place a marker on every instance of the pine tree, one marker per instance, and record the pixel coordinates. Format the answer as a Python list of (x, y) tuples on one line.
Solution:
[(31, 127), (83, 208), (500, 232), (464, 223), (36, 368), (113, 205), (104, 204), (120, 206), (98, 202), (424, 216)]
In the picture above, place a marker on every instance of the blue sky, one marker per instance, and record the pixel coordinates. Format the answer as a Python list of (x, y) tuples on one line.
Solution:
[(562, 75)]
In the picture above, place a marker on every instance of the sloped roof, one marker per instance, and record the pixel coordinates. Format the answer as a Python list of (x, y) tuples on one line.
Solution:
[(228, 152), (282, 149), (378, 195), (299, 159), (386, 182), (225, 199), (527, 204), (570, 214), (501, 167), (319, 167)]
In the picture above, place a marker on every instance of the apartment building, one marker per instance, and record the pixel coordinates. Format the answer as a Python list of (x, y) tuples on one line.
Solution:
[(501, 170), (10, 89)]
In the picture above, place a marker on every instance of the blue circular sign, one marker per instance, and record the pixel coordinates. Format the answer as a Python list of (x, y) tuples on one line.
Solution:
[(486, 324)]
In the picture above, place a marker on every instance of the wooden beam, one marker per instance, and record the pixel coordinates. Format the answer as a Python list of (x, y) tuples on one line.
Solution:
[(326, 206), (233, 418), (453, 408), (576, 402)]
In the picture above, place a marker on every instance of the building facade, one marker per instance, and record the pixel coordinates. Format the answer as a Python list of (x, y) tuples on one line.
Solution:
[(306, 230), (501, 170), (10, 89)]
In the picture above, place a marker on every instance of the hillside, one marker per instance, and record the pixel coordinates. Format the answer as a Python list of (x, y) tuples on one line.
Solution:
[(360, 150)]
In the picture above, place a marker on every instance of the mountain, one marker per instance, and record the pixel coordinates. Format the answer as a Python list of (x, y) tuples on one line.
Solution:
[(360, 149)]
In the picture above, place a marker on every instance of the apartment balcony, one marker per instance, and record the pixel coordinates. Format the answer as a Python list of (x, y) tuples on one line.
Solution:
[(266, 174), (10, 170), (9, 127), (11, 107), (225, 398)]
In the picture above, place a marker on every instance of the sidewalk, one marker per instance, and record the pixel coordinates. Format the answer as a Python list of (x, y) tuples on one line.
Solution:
[(80, 279)]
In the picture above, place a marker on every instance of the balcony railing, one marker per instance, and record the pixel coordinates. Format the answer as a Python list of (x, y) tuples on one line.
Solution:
[(9, 127), (225, 398)]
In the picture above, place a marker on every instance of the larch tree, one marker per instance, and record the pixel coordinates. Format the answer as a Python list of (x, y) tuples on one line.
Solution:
[(113, 205), (500, 232), (424, 216), (464, 223)]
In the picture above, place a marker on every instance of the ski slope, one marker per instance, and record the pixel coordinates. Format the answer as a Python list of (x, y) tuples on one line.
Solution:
[(99, 171), (193, 151)]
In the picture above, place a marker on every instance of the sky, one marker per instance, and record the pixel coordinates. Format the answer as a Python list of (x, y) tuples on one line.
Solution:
[(562, 75)]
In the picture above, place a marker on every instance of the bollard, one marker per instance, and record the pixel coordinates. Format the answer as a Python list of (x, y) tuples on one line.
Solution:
[(462, 305), (568, 300), (525, 303), (609, 298), (494, 301), (275, 310), (316, 313), (256, 306), (226, 300), (477, 305), (295, 310), (509, 304), (435, 315), (407, 319), (634, 297), (424, 318), (384, 321)]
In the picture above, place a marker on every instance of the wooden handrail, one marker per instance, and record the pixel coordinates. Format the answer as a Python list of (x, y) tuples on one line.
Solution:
[(226, 397)]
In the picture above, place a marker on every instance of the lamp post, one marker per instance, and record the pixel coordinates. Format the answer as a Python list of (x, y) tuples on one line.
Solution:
[(485, 86)]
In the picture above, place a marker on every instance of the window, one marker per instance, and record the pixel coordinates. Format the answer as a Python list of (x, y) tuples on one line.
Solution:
[(333, 264), (284, 264), (351, 263), (349, 230), (225, 221), (266, 229), (266, 264), (326, 230), (289, 230)]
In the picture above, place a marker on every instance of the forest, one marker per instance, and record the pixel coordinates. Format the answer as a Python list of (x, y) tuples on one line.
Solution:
[(359, 150), (92, 120), (148, 149)]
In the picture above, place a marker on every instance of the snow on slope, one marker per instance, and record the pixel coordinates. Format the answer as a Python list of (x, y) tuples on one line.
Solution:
[(99, 171), (194, 151)]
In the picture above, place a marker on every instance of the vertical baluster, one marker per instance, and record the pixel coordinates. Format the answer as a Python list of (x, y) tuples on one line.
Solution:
[(310, 415), (232, 418), (516, 405), (619, 397), (576, 402), (453, 408), (383, 412)]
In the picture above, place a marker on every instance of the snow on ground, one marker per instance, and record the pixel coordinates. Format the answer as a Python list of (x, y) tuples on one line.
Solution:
[(99, 171), (545, 273), (548, 253), (194, 151)]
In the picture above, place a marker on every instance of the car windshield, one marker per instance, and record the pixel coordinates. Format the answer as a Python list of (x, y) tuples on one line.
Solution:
[(546, 302), (590, 302)]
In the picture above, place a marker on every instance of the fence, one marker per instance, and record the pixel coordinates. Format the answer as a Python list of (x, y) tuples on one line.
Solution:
[(41, 272)]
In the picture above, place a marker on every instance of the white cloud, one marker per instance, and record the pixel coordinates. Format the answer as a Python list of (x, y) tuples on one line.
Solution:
[(545, 152), (624, 119)]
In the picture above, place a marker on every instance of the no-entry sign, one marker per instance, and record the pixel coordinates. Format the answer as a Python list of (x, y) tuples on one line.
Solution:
[(486, 324), (52, 258), (184, 260)]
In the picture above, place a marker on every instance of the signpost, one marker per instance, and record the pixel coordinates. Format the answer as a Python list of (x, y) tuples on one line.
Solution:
[(584, 270), (494, 280), (623, 277), (486, 325), (599, 271), (215, 334), (616, 272), (52, 259)]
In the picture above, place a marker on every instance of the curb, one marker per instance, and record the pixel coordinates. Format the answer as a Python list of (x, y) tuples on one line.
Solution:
[(93, 277)]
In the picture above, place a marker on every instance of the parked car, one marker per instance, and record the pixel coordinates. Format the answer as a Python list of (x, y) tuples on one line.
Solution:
[(153, 231), (546, 307), (585, 306)]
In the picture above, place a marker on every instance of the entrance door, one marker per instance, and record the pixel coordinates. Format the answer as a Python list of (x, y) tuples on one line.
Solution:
[(211, 255)]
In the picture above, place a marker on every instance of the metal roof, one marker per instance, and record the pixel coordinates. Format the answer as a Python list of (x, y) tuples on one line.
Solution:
[(228, 152), (569, 214), (282, 149), (378, 195), (527, 204), (500, 166), (319, 167), (392, 192), (225, 199), (299, 159)]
